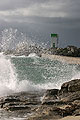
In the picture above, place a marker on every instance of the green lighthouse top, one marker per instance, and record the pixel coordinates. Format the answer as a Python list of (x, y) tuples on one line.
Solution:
[(54, 35)]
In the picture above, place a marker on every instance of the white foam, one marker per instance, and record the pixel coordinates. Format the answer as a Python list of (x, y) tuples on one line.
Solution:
[(77, 76), (25, 85), (32, 55), (9, 82), (22, 56), (8, 79)]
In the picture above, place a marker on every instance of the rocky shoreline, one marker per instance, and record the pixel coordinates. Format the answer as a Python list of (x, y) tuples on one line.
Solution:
[(50, 104), (70, 51)]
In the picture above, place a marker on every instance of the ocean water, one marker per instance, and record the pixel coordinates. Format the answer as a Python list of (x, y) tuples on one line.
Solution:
[(31, 73)]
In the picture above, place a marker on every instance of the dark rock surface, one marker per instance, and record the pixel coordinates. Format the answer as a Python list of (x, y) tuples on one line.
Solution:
[(71, 51), (47, 105), (20, 100)]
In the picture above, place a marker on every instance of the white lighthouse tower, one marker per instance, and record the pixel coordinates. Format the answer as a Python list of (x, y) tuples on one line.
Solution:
[(54, 40)]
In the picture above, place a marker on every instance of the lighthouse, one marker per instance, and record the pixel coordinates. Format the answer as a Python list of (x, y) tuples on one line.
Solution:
[(54, 40)]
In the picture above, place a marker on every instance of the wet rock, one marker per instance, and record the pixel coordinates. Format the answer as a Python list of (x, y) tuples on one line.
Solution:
[(76, 103), (19, 107), (71, 86), (11, 99), (71, 97), (52, 112), (71, 51), (53, 102), (46, 105), (45, 113), (51, 92), (77, 112), (50, 96), (21, 101), (68, 51), (70, 91)]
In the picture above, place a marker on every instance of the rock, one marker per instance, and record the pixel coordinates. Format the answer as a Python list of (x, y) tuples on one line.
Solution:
[(68, 98), (50, 96), (54, 105), (65, 101), (70, 91), (20, 101), (77, 112), (46, 113), (71, 86), (53, 102), (68, 51), (51, 92), (19, 107), (52, 112), (78, 52), (26, 49), (76, 103)]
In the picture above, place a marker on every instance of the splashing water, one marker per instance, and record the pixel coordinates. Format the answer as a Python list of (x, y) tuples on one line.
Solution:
[(30, 73), (12, 39), (43, 73), (77, 76), (32, 55), (8, 78), (7, 75), (33, 73)]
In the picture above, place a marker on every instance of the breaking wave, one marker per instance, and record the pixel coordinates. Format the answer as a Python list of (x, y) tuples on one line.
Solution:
[(52, 75)]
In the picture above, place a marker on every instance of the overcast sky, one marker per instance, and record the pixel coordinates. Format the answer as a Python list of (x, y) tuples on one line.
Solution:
[(42, 8), (62, 14)]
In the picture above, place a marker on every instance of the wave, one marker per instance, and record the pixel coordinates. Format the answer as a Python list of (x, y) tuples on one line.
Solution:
[(22, 56), (10, 83), (7, 75), (33, 55), (77, 76)]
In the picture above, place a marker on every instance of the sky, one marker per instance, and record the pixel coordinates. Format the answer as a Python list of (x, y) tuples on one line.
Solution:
[(43, 17)]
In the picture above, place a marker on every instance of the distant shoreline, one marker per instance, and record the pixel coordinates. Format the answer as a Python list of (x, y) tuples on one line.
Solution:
[(70, 60)]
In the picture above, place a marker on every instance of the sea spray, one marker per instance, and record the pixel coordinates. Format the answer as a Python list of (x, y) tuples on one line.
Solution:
[(37, 72), (33, 73), (9, 82), (7, 76), (76, 76), (10, 38), (32, 55)]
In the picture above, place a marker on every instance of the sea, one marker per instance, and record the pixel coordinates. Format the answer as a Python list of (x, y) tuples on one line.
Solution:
[(29, 73), (32, 73)]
